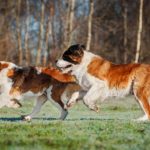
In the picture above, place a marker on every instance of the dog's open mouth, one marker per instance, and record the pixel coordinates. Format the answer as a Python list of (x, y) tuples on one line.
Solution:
[(68, 66), (66, 69)]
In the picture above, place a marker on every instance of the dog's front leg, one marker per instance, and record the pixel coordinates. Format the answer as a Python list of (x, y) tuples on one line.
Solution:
[(76, 96), (92, 95)]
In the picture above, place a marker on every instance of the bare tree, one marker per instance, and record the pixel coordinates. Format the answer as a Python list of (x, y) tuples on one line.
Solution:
[(88, 43), (125, 17), (66, 26), (139, 33), (48, 33), (38, 57), (27, 52), (69, 22), (71, 17), (19, 33)]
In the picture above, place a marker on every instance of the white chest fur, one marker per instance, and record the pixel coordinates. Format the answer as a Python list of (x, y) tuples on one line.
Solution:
[(86, 80), (80, 71)]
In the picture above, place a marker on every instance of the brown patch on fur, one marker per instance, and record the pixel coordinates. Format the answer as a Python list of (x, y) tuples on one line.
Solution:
[(28, 79), (117, 76), (58, 75), (10, 73), (99, 67), (120, 76), (124, 75), (59, 88), (3, 65), (57, 91), (15, 91)]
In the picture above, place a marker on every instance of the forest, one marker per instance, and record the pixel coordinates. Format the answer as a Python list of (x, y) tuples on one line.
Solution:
[(36, 32)]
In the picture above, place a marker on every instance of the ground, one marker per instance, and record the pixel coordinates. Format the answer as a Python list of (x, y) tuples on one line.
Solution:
[(112, 128)]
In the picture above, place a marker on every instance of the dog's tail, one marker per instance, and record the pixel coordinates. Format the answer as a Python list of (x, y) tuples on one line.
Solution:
[(58, 75)]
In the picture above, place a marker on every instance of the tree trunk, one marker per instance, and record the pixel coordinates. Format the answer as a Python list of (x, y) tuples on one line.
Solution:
[(48, 33), (125, 18), (72, 5), (139, 33), (69, 23), (19, 33), (88, 44), (38, 57), (27, 52), (66, 26)]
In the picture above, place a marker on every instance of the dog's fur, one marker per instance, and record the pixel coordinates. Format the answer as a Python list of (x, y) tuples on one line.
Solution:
[(99, 78), (42, 83)]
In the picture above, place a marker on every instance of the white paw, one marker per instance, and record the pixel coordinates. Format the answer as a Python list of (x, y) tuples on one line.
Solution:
[(144, 118), (70, 104), (65, 106), (27, 118)]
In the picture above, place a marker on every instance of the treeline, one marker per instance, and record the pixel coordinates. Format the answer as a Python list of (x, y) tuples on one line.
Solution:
[(36, 32)]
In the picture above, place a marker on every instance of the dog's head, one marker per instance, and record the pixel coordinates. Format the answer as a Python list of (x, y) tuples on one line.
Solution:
[(72, 56)]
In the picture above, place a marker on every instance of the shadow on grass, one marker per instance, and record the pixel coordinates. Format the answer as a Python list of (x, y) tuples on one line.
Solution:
[(78, 119), (88, 119), (17, 119), (12, 119)]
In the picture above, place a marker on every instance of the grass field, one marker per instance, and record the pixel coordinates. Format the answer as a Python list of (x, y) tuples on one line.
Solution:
[(112, 128)]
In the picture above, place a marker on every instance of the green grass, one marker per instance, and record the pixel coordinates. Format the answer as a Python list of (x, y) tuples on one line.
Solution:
[(112, 128)]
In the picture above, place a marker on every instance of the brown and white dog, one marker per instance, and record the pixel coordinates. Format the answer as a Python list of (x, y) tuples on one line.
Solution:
[(42, 83), (99, 78)]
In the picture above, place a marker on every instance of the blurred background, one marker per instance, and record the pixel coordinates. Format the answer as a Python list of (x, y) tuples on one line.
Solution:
[(36, 32)]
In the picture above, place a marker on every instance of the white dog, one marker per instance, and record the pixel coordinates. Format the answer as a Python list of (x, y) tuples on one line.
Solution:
[(100, 78)]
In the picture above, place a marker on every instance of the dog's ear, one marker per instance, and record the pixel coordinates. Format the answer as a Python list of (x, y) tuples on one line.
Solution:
[(27, 70), (82, 47), (80, 50)]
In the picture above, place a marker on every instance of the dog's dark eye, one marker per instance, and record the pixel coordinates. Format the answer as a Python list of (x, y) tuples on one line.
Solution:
[(69, 59), (78, 53), (66, 58)]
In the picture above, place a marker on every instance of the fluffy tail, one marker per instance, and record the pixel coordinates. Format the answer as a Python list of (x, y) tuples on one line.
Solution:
[(58, 75)]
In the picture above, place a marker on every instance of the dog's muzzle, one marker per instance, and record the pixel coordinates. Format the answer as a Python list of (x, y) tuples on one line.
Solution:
[(63, 64)]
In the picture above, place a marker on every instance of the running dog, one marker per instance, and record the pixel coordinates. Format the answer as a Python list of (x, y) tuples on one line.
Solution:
[(44, 83), (99, 78)]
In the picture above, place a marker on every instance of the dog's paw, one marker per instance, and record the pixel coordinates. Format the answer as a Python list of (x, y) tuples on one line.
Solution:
[(65, 107), (142, 119), (95, 108), (70, 104), (26, 118)]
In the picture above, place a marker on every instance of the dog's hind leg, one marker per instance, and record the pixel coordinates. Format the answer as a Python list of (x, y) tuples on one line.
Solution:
[(64, 111), (56, 99), (60, 105), (39, 103), (142, 97)]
